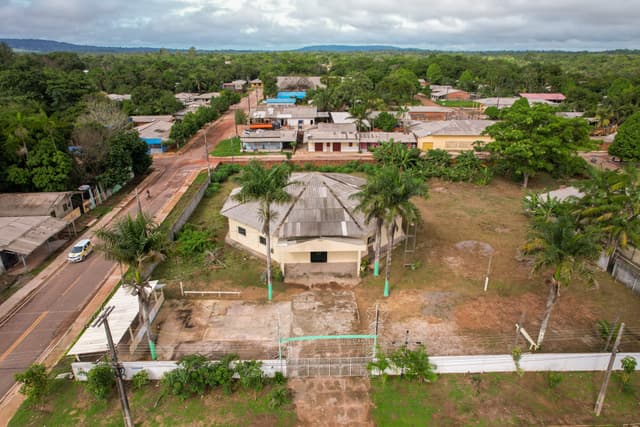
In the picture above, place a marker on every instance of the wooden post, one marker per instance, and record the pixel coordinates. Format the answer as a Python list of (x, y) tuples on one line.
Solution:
[(613, 331), (486, 277), (607, 376), (519, 325), (181, 289)]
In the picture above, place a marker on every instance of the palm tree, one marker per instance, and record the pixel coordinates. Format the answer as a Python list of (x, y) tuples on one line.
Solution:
[(360, 113), (267, 187), (612, 204), (560, 244), (399, 187), (371, 204), (135, 242)]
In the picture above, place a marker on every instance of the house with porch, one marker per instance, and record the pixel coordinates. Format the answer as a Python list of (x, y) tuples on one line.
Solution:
[(448, 93), (268, 140), (370, 140), (332, 138), (288, 116), (451, 135), (236, 85), (316, 237)]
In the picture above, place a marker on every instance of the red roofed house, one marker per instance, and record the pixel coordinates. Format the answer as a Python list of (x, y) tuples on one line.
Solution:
[(548, 98)]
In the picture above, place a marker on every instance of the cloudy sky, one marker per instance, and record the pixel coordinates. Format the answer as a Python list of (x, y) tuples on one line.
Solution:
[(287, 24)]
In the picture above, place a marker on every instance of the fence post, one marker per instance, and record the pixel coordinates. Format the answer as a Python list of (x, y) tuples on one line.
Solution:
[(181, 289)]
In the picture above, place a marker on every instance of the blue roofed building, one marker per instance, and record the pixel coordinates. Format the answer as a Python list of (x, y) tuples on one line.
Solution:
[(280, 101), (295, 94)]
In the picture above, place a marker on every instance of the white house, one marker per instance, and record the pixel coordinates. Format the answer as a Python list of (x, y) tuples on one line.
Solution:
[(317, 237)]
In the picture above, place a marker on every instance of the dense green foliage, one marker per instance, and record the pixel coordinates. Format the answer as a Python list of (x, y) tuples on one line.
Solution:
[(385, 121), (34, 382), (531, 139), (626, 144), (181, 131), (50, 102), (101, 381)]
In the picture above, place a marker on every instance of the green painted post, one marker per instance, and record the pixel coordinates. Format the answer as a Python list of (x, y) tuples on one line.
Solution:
[(376, 268), (270, 292), (152, 349), (386, 288)]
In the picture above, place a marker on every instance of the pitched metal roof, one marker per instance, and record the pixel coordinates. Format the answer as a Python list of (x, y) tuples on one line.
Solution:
[(321, 206), (544, 96), (451, 127), (30, 204), (23, 235), (374, 137)]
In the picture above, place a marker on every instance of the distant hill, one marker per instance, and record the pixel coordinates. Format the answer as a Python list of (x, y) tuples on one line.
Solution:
[(354, 48), (45, 46)]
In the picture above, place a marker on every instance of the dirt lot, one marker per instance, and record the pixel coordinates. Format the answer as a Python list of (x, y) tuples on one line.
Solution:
[(442, 303)]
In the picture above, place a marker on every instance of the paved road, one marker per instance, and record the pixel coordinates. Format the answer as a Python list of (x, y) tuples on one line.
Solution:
[(57, 303)]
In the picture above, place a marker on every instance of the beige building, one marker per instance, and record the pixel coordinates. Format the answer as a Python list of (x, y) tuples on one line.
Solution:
[(332, 138), (451, 135), (317, 237)]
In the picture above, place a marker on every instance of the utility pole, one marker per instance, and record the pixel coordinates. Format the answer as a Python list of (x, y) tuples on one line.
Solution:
[(607, 376), (117, 369), (206, 153)]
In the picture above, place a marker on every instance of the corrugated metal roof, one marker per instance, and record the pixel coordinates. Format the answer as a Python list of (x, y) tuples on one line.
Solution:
[(30, 204), (94, 340), (452, 127), (374, 137), (544, 96), (23, 235), (320, 207)]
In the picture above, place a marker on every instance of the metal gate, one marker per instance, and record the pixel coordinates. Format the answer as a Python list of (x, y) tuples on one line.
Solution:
[(328, 355)]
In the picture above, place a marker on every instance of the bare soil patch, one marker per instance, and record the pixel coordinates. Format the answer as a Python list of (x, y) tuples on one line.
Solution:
[(331, 401)]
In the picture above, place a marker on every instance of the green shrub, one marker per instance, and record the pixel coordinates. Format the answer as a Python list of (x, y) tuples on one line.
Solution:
[(553, 379), (193, 241), (379, 365), (35, 382), (628, 367), (195, 374), (101, 380), (140, 379), (279, 396), (251, 375), (364, 266), (279, 378), (414, 363), (224, 171)]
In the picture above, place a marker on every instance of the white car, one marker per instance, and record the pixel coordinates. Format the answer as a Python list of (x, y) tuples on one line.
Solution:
[(80, 250)]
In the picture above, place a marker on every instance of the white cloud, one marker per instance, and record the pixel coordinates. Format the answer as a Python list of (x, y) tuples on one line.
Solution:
[(284, 24)]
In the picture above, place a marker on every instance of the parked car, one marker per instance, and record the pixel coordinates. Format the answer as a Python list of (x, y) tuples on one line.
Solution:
[(80, 250)]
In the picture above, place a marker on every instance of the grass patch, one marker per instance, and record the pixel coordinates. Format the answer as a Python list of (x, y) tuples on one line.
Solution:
[(68, 404), (240, 269), (501, 399), (228, 147)]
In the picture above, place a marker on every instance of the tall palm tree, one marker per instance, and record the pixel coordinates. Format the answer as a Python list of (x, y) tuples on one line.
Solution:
[(360, 112), (560, 245), (135, 242), (268, 188), (612, 204), (400, 187), (371, 204)]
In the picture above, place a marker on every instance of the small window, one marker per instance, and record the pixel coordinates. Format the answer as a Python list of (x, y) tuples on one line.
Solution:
[(328, 144), (351, 144), (318, 257), (242, 231), (371, 240), (263, 240)]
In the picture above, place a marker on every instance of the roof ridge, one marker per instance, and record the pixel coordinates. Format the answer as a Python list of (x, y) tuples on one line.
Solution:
[(293, 203), (340, 201)]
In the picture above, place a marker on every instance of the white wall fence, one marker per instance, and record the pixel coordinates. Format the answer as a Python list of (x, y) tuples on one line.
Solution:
[(566, 362), (157, 369)]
